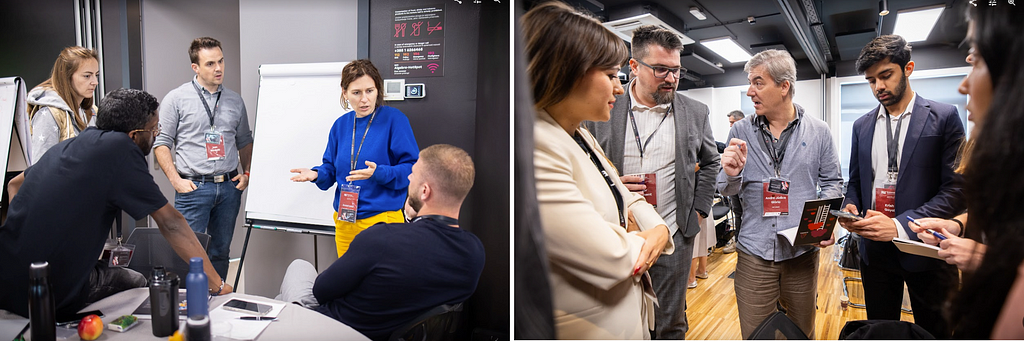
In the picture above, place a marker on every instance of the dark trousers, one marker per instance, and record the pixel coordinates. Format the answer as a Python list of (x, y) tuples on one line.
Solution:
[(669, 277), (883, 293)]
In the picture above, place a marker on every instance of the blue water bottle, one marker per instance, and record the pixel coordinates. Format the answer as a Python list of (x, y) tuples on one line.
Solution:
[(196, 288)]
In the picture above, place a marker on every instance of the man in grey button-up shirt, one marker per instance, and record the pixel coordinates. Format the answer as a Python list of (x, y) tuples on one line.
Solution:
[(208, 187), (769, 269)]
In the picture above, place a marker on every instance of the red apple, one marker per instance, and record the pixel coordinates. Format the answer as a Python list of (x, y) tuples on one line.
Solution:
[(90, 328)]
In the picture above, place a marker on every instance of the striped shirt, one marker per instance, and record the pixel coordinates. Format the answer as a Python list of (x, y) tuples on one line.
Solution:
[(659, 153)]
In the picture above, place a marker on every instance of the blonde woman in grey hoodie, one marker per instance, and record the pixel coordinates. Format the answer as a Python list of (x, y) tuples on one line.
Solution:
[(62, 106)]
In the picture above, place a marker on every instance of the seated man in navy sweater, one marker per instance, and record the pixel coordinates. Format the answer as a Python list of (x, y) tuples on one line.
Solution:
[(393, 273)]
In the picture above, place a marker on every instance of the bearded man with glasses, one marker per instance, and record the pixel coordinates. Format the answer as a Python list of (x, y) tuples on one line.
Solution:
[(657, 137)]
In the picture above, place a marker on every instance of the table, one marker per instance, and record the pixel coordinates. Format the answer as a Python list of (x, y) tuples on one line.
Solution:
[(293, 322)]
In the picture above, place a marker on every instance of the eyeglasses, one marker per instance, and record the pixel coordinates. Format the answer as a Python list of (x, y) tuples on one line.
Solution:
[(661, 71), (151, 131)]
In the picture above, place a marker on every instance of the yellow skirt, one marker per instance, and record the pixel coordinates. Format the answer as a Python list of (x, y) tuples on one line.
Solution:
[(345, 231)]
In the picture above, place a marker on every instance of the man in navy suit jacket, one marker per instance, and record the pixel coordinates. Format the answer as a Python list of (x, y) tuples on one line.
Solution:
[(905, 171)]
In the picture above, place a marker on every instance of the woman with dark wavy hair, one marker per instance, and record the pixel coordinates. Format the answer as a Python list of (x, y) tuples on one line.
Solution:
[(994, 194), (600, 237)]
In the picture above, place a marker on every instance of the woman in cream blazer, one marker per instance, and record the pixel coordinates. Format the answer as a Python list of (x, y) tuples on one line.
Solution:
[(600, 288)]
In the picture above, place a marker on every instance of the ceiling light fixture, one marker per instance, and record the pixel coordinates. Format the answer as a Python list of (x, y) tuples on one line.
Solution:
[(697, 13), (916, 24), (883, 8), (727, 48), (751, 20)]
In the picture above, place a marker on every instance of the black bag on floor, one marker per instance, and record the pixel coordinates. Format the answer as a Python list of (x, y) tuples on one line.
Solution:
[(851, 253)]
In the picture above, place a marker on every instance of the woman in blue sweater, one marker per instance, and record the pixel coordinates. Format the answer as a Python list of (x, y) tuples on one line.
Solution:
[(370, 153)]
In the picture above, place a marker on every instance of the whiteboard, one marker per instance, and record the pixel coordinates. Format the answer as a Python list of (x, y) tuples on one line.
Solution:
[(295, 109), (12, 101)]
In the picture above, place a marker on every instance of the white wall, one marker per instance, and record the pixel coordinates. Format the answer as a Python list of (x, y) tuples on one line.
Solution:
[(297, 31), (721, 101)]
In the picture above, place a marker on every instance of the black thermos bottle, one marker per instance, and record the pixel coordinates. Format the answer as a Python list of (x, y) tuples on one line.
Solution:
[(40, 303), (163, 300)]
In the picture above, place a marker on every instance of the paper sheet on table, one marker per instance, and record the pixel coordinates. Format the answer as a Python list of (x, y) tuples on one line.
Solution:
[(9, 328), (917, 248), (225, 323)]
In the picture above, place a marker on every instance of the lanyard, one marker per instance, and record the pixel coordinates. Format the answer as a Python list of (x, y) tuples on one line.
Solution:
[(775, 154), (636, 133), (117, 221), (438, 218), (607, 178), (207, 105), (355, 154), (893, 143)]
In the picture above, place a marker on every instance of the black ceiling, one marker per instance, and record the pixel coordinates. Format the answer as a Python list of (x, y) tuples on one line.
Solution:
[(847, 25)]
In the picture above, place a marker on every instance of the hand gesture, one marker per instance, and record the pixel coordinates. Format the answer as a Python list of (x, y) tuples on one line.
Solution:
[(635, 183), (825, 243), (875, 226), (735, 157), (965, 253), (243, 181), (362, 174), (850, 208), (935, 224), (304, 174), (655, 241), (183, 185)]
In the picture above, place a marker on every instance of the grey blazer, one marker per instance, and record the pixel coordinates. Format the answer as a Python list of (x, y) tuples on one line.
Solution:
[(695, 142)]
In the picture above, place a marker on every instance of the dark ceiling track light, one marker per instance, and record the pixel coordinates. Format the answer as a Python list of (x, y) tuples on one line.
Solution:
[(883, 8)]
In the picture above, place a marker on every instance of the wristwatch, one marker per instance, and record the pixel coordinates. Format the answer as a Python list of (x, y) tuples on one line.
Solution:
[(219, 289)]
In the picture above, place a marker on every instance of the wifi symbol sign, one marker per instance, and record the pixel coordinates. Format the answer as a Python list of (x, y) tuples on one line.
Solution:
[(433, 67)]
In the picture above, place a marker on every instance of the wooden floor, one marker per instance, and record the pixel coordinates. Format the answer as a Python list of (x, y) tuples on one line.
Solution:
[(711, 307)]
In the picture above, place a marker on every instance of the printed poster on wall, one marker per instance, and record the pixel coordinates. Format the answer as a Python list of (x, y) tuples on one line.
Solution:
[(418, 38)]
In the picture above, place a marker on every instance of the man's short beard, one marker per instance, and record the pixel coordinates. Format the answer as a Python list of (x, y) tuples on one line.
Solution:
[(661, 97), (897, 94), (415, 202)]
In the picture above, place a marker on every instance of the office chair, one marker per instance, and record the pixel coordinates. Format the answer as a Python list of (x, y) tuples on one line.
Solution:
[(438, 324), (724, 220), (152, 249), (777, 322)]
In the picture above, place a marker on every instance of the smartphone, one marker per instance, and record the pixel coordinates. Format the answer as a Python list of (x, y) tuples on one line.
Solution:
[(248, 307), (845, 215)]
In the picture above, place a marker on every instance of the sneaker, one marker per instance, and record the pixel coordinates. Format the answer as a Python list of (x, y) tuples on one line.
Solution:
[(730, 247), (703, 275), (692, 285)]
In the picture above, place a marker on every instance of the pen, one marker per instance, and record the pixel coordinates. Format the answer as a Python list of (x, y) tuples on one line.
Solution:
[(257, 318), (936, 234)]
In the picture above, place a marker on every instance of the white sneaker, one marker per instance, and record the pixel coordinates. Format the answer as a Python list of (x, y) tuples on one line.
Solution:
[(730, 247)]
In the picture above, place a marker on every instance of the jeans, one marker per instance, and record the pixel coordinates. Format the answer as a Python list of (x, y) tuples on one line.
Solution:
[(105, 281), (212, 208)]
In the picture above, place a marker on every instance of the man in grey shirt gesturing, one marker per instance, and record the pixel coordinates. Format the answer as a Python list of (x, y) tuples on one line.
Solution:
[(791, 156), (205, 127)]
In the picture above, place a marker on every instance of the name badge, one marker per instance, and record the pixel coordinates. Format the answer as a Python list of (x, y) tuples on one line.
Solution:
[(348, 202), (121, 256), (651, 193), (885, 199), (775, 196), (214, 146)]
